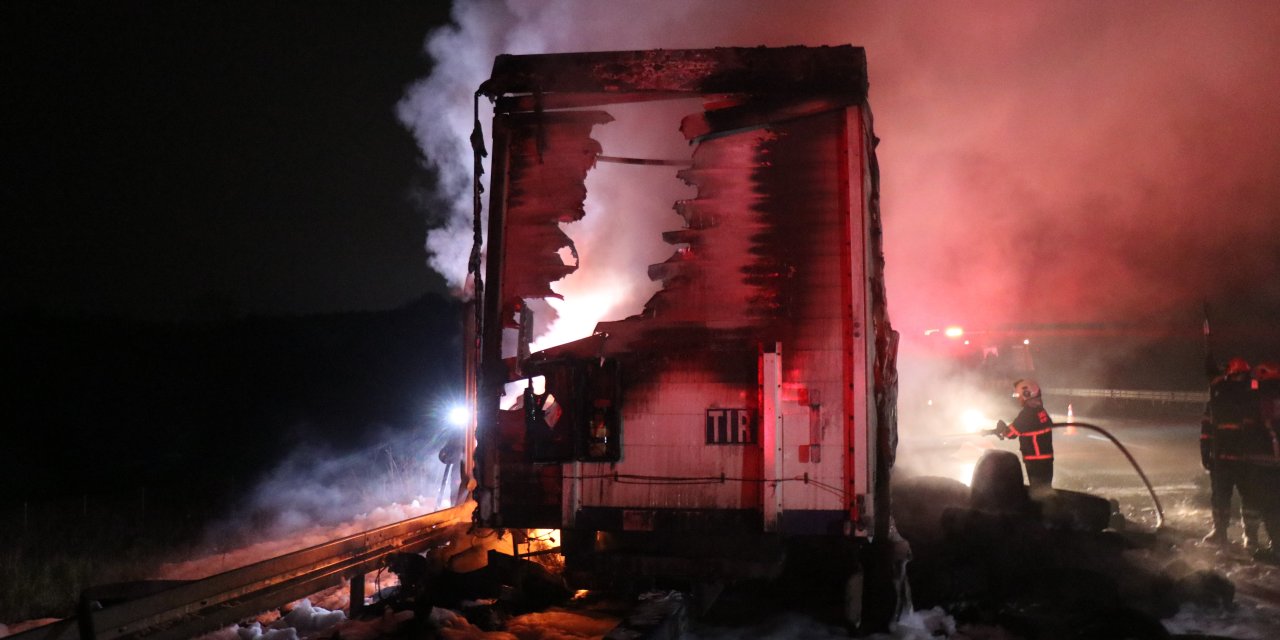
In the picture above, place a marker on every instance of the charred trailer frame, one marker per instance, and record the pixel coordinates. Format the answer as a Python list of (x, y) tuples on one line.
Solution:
[(753, 399)]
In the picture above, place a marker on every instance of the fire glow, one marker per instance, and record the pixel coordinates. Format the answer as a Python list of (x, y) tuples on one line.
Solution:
[(578, 312), (628, 207), (973, 421)]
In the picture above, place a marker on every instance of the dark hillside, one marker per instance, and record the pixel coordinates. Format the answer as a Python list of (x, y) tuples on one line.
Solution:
[(103, 406)]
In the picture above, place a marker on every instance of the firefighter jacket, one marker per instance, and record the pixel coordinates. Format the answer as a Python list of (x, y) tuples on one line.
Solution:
[(1034, 430), (1231, 429), (1264, 448), (1269, 402)]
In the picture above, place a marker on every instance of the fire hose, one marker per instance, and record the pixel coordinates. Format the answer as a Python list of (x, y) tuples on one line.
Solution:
[(1093, 427)]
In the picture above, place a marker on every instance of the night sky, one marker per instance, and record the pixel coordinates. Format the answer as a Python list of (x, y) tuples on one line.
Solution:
[(176, 160)]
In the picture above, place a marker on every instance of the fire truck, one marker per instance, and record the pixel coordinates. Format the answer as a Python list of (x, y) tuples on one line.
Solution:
[(963, 378), (749, 406)]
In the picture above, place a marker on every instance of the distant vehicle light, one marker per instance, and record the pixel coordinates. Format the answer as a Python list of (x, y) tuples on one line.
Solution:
[(458, 416), (1026, 341), (953, 332)]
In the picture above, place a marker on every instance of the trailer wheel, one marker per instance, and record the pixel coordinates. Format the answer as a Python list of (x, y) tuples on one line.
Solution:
[(875, 590), (854, 588)]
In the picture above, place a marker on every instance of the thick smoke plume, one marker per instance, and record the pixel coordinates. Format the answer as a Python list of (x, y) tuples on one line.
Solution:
[(1082, 170), (1042, 162)]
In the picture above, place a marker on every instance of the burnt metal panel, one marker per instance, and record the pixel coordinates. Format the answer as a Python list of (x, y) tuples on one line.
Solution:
[(719, 521), (817, 522), (773, 71), (786, 181), (547, 164)]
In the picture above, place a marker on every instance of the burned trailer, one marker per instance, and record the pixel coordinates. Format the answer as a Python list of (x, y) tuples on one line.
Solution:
[(752, 400)]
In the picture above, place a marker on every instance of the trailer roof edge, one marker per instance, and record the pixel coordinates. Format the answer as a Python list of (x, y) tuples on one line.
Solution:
[(795, 70)]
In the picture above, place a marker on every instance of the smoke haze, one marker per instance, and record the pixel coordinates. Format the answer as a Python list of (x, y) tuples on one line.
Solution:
[(1062, 162)]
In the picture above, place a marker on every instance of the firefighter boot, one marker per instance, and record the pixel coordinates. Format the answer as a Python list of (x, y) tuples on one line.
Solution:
[(1218, 536), (1251, 542)]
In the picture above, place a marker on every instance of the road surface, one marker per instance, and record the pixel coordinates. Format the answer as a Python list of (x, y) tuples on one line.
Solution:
[(1168, 452)]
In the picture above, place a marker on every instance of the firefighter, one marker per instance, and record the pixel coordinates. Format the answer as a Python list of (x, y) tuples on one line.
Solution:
[(453, 477), (1264, 476), (1034, 430), (1231, 417)]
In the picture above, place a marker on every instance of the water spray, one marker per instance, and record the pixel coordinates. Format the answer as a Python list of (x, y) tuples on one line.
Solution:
[(1093, 427), (1154, 499)]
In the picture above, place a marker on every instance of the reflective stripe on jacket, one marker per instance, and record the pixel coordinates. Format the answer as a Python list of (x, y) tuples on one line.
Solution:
[(1034, 430)]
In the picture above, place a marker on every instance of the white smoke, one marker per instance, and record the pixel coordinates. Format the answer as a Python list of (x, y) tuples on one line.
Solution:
[(438, 109), (315, 494), (1042, 162), (1060, 160)]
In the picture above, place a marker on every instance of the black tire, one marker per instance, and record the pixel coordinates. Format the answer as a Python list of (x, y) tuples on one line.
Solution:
[(997, 483), (920, 501), (872, 592), (1076, 511), (854, 589)]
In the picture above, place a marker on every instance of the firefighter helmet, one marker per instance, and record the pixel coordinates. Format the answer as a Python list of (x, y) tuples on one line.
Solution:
[(1025, 389), (1237, 365), (1267, 371)]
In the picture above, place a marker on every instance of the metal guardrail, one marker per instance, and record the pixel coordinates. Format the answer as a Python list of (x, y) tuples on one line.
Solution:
[(1200, 397), (201, 606)]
